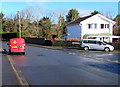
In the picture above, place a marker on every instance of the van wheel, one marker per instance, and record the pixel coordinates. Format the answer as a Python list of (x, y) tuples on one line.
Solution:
[(86, 48), (107, 49), (23, 53), (9, 52)]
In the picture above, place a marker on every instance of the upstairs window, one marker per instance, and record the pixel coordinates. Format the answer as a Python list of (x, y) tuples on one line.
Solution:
[(108, 25), (105, 26), (92, 26), (102, 26), (89, 26), (95, 26)]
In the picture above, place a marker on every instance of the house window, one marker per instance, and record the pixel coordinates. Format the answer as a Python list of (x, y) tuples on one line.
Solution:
[(95, 26), (102, 26), (89, 26), (92, 26), (106, 26)]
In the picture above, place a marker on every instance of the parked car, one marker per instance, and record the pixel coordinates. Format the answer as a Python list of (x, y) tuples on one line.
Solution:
[(17, 45), (96, 45)]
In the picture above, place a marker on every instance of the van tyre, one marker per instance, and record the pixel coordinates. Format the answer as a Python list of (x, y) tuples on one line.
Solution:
[(86, 48), (23, 53), (9, 53), (107, 49)]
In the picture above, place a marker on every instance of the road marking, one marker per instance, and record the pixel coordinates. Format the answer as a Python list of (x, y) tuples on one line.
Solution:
[(72, 53), (21, 79)]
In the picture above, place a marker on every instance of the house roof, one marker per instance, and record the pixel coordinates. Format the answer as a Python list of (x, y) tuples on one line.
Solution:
[(79, 20), (82, 19)]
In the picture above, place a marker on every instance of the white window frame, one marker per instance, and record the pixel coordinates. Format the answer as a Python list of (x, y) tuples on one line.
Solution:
[(105, 26), (92, 26)]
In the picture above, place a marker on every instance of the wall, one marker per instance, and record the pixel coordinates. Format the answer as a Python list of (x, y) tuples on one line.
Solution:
[(40, 41), (74, 31), (96, 20), (66, 43)]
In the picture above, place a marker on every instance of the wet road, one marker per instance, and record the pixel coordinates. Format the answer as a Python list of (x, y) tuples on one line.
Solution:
[(42, 66)]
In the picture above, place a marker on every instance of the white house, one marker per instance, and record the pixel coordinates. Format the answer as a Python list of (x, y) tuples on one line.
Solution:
[(93, 26)]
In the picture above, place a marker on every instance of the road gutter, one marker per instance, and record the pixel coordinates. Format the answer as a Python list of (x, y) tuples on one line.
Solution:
[(21, 79)]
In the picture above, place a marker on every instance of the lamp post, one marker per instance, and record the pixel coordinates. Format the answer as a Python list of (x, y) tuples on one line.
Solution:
[(19, 25)]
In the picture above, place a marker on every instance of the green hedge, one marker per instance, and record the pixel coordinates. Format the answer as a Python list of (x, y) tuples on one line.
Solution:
[(7, 36)]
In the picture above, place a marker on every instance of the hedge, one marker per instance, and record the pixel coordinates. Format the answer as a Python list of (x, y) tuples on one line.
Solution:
[(6, 36)]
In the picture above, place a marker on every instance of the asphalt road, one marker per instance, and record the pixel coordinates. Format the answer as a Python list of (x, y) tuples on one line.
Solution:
[(41, 66)]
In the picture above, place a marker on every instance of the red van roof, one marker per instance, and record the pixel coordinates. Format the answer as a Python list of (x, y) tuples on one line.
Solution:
[(17, 40)]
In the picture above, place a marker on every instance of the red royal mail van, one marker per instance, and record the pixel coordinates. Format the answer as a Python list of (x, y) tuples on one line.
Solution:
[(17, 45)]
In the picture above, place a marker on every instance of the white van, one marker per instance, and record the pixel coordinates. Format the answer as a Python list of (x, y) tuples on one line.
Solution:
[(96, 44)]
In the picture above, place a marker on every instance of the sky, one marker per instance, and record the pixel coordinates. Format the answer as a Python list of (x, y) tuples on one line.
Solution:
[(84, 8)]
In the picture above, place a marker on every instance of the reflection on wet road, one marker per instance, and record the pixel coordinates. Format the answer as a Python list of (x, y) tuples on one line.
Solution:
[(110, 61)]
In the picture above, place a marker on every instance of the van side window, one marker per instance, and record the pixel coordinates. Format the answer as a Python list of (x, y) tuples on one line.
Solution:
[(85, 41), (92, 41), (98, 42)]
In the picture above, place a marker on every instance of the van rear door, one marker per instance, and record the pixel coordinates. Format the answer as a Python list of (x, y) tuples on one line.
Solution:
[(17, 45)]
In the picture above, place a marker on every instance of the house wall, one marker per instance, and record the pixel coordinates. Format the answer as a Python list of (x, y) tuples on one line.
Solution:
[(78, 31), (98, 21), (74, 31)]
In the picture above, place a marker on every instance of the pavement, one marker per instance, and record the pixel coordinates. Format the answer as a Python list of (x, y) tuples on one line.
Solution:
[(8, 75)]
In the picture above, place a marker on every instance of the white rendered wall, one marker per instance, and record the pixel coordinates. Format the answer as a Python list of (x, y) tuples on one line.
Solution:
[(96, 20)]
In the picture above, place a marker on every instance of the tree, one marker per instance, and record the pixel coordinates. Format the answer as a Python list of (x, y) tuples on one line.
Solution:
[(116, 30), (73, 14), (110, 13), (61, 28), (1, 15), (46, 24), (94, 13)]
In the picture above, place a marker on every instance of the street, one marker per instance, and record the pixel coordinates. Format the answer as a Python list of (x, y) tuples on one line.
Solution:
[(41, 66)]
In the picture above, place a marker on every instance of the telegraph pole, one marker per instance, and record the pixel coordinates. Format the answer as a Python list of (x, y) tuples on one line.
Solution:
[(19, 25)]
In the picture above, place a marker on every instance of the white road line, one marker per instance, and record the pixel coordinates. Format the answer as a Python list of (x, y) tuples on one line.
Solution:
[(23, 82), (72, 53)]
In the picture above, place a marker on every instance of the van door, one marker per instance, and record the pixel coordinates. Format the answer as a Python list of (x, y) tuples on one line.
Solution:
[(92, 44), (99, 45)]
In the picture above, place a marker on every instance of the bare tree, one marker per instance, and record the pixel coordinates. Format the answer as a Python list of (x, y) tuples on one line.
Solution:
[(54, 15), (108, 13), (37, 12)]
